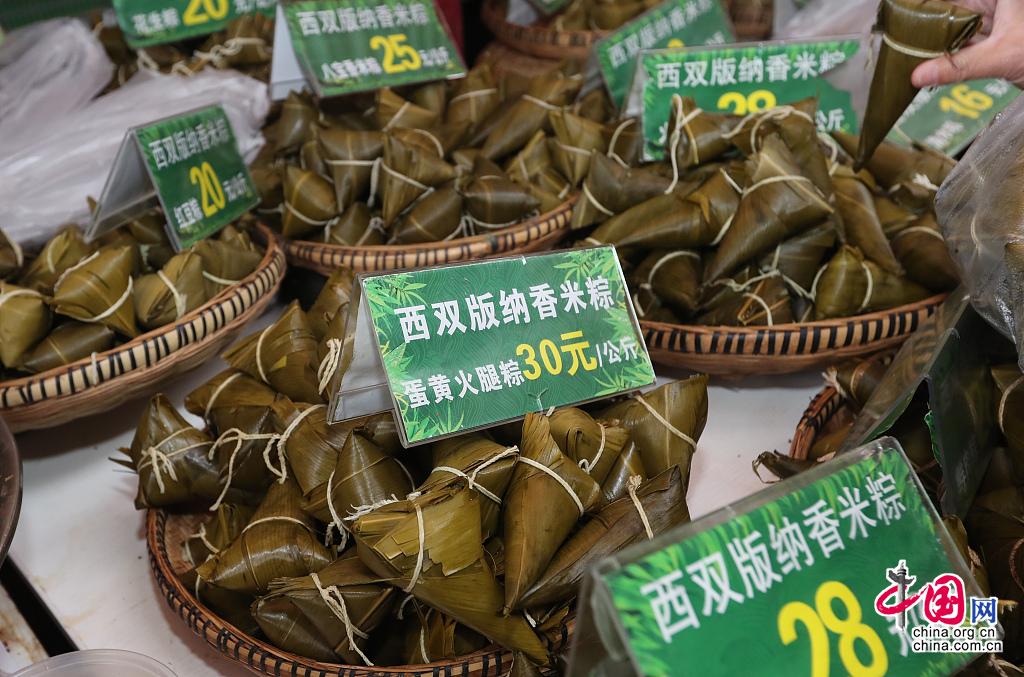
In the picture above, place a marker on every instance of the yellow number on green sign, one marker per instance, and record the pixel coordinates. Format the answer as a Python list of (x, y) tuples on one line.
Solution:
[(850, 629), (738, 104), (966, 102), (211, 193), (210, 9), (398, 57), (532, 371)]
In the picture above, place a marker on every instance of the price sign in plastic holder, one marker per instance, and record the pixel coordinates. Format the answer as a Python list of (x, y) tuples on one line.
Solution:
[(843, 569), (674, 23), (188, 164), (340, 47), (456, 348), (743, 79), (948, 118), (154, 22)]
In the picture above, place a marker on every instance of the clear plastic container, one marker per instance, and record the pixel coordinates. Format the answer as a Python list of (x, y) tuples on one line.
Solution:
[(97, 663)]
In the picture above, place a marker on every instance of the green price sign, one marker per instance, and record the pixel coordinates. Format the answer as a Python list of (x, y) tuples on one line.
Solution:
[(675, 23), (347, 46), (202, 181), (476, 344), (742, 80), (152, 22), (845, 570), (948, 118)]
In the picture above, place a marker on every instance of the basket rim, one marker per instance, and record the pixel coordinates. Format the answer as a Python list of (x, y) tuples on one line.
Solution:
[(197, 616), (439, 245), (826, 402), (273, 254), (726, 330)]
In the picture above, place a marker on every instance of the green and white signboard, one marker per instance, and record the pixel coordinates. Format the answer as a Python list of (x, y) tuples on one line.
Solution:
[(741, 80), (948, 118), (191, 165), (842, 570), (348, 46), (471, 345), (674, 23), (152, 22)]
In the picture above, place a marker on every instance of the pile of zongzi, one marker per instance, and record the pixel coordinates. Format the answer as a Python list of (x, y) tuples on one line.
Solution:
[(319, 535), (430, 163), (245, 44), (599, 15), (761, 220), (73, 298)]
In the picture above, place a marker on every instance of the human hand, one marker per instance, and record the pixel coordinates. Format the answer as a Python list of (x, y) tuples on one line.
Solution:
[(996, 52)]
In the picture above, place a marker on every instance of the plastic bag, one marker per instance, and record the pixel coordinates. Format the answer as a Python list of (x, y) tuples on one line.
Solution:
[(47, 71), (980, 207), (820, 18), (45, 181)]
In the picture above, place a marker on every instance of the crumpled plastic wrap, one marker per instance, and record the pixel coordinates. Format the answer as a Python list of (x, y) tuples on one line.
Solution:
[(46, 178), (47, 70), (980, 207)]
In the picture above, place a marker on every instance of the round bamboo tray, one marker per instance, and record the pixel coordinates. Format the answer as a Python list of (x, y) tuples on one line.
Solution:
[(823, 412), (165, 534), (783, 348), (752, 20), (93, 385), (536, 234)]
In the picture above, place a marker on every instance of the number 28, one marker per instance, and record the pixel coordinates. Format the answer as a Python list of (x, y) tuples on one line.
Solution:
[(741, 104)]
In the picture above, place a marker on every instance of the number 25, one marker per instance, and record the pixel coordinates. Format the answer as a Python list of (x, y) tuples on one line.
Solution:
[(398, 57)]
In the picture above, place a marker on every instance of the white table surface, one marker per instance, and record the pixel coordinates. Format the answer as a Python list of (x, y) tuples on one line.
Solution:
[(81, 542)]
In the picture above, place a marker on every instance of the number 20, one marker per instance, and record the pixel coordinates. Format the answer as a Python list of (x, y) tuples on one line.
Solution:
[(211, 9), (210, 191)]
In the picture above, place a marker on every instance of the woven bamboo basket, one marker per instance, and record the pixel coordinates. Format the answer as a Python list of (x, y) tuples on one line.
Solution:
[(165, 534), (783, 348), (536, 234), (826, 410), (752, 20), (100, 383)]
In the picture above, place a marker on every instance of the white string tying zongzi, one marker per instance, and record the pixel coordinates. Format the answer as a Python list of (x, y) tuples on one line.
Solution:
[(682, 123), (870, 286), (492, 226), (144, 61), (421, 535), (919, 229), (588, 466), (833, 160), (334, 600), (302, 217), (400, 614), (68, 271), (831, 378), (471, 477), (594, 241), (220, 280), (1002, 402), (775, 179), (431, 138), (376, 224), (665, 422), (593, 200), (232, 47), (201, 535), (777, 113), (923, 181), (259, 354), (336, 522), (217, 391), (529, 619), (282, 442), (540, 102), (277, 518), (237, 436), (161, 461), (573, 149), (731, 181), (909, 50), (112, 309), (637, 306), (394, 118), (764, 304), (667, 257), (631, 486), (407, 179), (814, 284), (180, 302), (19, 254), (358, 511), (558, 478), (14, 293), (615, 138), (565, 191), (423, 645), (475, 93), (329, 365)]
